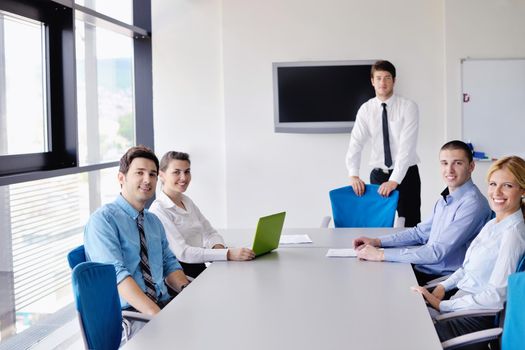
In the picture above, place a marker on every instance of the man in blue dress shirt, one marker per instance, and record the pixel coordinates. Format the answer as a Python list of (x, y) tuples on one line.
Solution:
[(441, 241), (112, 236)]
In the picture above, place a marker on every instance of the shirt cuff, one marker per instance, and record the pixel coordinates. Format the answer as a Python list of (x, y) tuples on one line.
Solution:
[(446, 306), (391, 254), (215, 254), (395, 177), (448, 285), (215, 240), (385, 240), (121, 275), (353, 172)]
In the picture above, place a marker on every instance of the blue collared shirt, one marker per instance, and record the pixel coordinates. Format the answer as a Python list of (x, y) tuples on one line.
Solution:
[(111, 236), (445, 237)]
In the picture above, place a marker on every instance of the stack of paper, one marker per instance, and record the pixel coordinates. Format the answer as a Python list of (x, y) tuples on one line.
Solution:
[(294, 239)]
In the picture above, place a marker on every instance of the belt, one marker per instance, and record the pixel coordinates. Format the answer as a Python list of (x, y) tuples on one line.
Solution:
[(385, 171)]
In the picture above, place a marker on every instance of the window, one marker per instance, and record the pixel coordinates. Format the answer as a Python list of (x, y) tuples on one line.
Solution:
[(23, 86), (35, 99), (104, 93), (73, 98)]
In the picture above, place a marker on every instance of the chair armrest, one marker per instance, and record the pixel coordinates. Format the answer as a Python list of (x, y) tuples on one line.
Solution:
[(326, 221), (136, 316), (472, 338), (467, 313), (435, 281)]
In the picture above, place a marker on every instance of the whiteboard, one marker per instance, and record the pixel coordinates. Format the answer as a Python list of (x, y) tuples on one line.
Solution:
[(494, 105)]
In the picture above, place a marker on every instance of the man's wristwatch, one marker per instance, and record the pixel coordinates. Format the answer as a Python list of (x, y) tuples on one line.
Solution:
[(184, 286)]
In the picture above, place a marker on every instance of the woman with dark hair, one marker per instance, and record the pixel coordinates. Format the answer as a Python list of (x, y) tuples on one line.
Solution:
[(190, 235)]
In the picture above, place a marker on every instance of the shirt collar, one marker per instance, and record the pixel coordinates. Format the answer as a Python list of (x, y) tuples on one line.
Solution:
[(510, 220), (388, 102), (128, 208), (458, 193), (164, 200)]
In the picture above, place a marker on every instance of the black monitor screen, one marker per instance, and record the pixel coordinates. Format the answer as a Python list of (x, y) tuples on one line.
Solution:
[(331, 93)]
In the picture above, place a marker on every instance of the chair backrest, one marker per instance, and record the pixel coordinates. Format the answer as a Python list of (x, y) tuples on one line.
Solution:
[(514, 324), (76, 256), (369, 210), (98, 305)]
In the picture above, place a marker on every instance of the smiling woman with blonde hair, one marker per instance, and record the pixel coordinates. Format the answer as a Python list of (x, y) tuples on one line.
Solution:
[(492, 256)]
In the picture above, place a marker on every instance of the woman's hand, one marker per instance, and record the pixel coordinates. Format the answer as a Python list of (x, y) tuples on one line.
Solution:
[(429, 297), (240, 254)]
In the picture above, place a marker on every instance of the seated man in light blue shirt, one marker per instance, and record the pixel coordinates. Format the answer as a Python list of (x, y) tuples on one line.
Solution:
[(126, 235), (443, 239)]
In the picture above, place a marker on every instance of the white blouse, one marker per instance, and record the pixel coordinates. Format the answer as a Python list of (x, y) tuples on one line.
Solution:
[(189, 233), (492, 256)]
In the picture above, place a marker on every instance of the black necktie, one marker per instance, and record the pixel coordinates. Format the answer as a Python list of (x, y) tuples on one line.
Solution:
[(144, 263), (386, 139)]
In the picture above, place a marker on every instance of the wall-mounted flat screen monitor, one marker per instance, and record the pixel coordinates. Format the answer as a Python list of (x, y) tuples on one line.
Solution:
[(319, 97)]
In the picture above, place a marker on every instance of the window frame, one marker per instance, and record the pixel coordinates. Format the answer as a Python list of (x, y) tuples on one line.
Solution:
[(59, 19)]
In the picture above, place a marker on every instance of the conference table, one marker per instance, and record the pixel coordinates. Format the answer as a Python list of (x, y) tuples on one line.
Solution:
[(296, 298)]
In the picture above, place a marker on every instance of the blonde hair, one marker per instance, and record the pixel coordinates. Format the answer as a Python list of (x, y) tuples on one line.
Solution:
[(516, 166)]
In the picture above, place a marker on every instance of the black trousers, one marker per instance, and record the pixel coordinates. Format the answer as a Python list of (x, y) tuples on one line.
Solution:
[(422, 277), (454, 328), (192, 270), (409, 204)]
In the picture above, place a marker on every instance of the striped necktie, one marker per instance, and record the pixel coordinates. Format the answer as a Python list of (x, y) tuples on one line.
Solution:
[(144, 263)]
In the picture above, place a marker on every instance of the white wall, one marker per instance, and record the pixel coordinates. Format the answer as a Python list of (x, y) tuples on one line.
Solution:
[(478, 29), (213, 89), (187, 94), (295, 172)]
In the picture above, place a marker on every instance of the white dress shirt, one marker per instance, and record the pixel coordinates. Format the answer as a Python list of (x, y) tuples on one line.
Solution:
[(189, 233), (493, 255), (403, 122)]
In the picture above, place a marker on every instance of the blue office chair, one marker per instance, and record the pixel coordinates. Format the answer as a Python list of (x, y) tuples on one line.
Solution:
[(98, 305), (76, 256), (512, 335), (369, 210)]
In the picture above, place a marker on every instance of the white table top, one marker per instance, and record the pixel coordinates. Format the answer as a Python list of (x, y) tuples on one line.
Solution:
[(295, 298), (321, 237)]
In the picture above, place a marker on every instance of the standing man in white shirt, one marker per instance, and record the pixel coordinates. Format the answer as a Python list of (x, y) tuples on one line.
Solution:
[(391, 122)]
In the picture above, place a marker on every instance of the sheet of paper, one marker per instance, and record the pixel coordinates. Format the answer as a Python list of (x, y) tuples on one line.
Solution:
[(294, 239), (341, 253)]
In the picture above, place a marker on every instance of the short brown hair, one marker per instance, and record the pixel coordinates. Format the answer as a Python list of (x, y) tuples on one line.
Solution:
[(385, 66), (173, 155), (139, 151), (457, 144)]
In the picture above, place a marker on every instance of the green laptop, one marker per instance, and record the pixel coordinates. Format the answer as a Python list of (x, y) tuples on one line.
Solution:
[(268, 233)]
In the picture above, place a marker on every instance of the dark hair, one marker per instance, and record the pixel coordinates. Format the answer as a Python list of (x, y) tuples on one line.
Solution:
[(173, 155), (139, 151), (383, 66), (457, 144)]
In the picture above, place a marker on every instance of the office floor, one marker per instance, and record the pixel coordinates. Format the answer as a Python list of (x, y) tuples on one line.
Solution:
[(67, 337)]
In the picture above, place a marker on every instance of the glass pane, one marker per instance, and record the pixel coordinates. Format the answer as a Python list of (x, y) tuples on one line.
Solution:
[(121, 10), (23, 117), (106, 117), (41, 222)]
